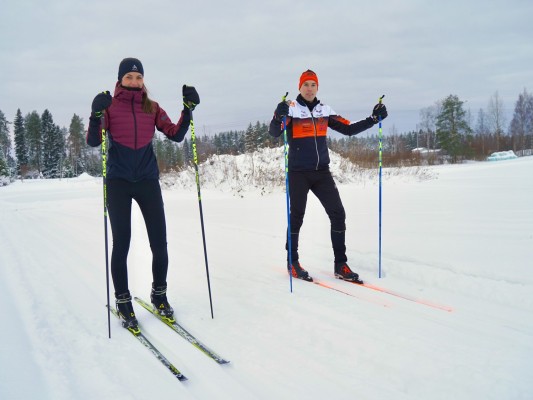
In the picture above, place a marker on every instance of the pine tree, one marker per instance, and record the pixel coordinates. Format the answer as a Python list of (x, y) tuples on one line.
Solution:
[(452, 128), (77, 151), (21, 148), (187, 152), (178, 161), (4, 171), (217, 141), (62, 135), (5, 141), (169, 152), (263, 137), (32, 124), (239, 142), (250, 141), (53, 146)]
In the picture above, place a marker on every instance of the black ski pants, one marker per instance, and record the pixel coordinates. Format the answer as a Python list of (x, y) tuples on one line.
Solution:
[(147, 194), (323, 186)]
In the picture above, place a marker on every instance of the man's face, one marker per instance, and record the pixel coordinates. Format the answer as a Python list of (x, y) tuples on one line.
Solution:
[(309, 90)]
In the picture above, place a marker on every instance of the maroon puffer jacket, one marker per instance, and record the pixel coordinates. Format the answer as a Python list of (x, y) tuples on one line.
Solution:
[(131, 130)]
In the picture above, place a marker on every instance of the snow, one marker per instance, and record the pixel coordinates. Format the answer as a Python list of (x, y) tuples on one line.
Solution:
[(502, 155), (424, 150), (460, 239)]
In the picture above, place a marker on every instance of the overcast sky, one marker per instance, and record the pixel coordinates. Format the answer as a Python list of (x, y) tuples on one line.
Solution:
[(242, 56)]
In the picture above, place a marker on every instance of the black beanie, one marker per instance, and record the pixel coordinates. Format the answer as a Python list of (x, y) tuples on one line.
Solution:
[(129, 65)]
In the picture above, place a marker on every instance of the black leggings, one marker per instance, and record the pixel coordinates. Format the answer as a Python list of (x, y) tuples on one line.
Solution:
[(323, 186), (147, 194)]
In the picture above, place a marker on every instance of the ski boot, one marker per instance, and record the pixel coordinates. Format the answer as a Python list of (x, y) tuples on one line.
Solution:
[(343, 271), (125, 311), (160, 302), (298, 272)]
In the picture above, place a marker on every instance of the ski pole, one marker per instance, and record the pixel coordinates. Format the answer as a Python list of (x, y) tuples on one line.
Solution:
[(104, 179), (380, 185), (195, 158), (288, 199)]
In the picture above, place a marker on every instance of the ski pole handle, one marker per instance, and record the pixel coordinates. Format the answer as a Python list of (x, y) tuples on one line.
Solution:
[(379, 117), (282, 110)]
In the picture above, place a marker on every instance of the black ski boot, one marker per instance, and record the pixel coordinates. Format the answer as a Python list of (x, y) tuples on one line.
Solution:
[(160, 302), (298, 272), (343, 271), (125, 311)]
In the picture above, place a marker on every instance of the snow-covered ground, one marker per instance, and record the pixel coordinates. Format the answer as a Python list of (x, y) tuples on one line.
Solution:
[(462, 239)]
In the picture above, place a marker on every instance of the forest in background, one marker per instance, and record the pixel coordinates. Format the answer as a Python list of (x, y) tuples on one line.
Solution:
[(446, 133)]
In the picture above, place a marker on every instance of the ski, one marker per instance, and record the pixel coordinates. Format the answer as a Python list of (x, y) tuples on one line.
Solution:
[(327, 286), (324, 285), (176, 327), (378, 289), (139, 335), (403, 296)]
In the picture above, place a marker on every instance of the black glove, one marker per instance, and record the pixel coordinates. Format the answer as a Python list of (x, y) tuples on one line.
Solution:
[(282, 110), (379, 111), (101, 102), (190, 97)]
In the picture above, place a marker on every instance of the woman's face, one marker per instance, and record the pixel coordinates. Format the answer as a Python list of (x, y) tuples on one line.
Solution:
[(132, 80), (309, 90)]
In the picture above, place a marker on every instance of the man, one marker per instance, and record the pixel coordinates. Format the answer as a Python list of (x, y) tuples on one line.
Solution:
[(307, 122)]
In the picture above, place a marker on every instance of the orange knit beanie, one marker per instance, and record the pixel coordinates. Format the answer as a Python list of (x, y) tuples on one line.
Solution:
[(308, 76)]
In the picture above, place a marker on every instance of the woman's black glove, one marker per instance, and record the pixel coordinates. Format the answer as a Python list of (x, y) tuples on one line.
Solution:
[(282, 110), (101, 102), (379, 111), (190, 97)]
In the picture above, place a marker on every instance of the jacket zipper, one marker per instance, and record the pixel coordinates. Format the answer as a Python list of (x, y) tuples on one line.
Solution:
[(316, 143), (135, 141)]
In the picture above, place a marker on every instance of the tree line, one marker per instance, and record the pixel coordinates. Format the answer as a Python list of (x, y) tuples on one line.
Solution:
[(42, 149), (447, 132)]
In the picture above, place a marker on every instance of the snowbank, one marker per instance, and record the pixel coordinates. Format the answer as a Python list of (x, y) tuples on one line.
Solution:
[(84, 177), (264, 171), (502, 155)]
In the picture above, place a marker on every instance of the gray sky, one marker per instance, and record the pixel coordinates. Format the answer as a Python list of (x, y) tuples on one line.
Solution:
[(242, 56)]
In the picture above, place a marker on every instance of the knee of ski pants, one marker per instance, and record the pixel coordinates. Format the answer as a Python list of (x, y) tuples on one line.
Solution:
[(338, 221), (296, 223), (159, 251)]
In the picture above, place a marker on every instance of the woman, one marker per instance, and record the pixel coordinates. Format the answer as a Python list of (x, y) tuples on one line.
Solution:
[(130, 118), (307, 123)]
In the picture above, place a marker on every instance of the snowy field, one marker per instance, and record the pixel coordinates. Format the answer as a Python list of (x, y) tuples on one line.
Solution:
[(462, 240)]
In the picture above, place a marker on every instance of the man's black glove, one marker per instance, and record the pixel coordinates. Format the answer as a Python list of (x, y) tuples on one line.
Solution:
[(282, 110), (379, 111), (101, 102), (190, 97)]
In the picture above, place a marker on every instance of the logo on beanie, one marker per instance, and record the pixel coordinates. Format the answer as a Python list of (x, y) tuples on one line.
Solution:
[(134, 68)]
